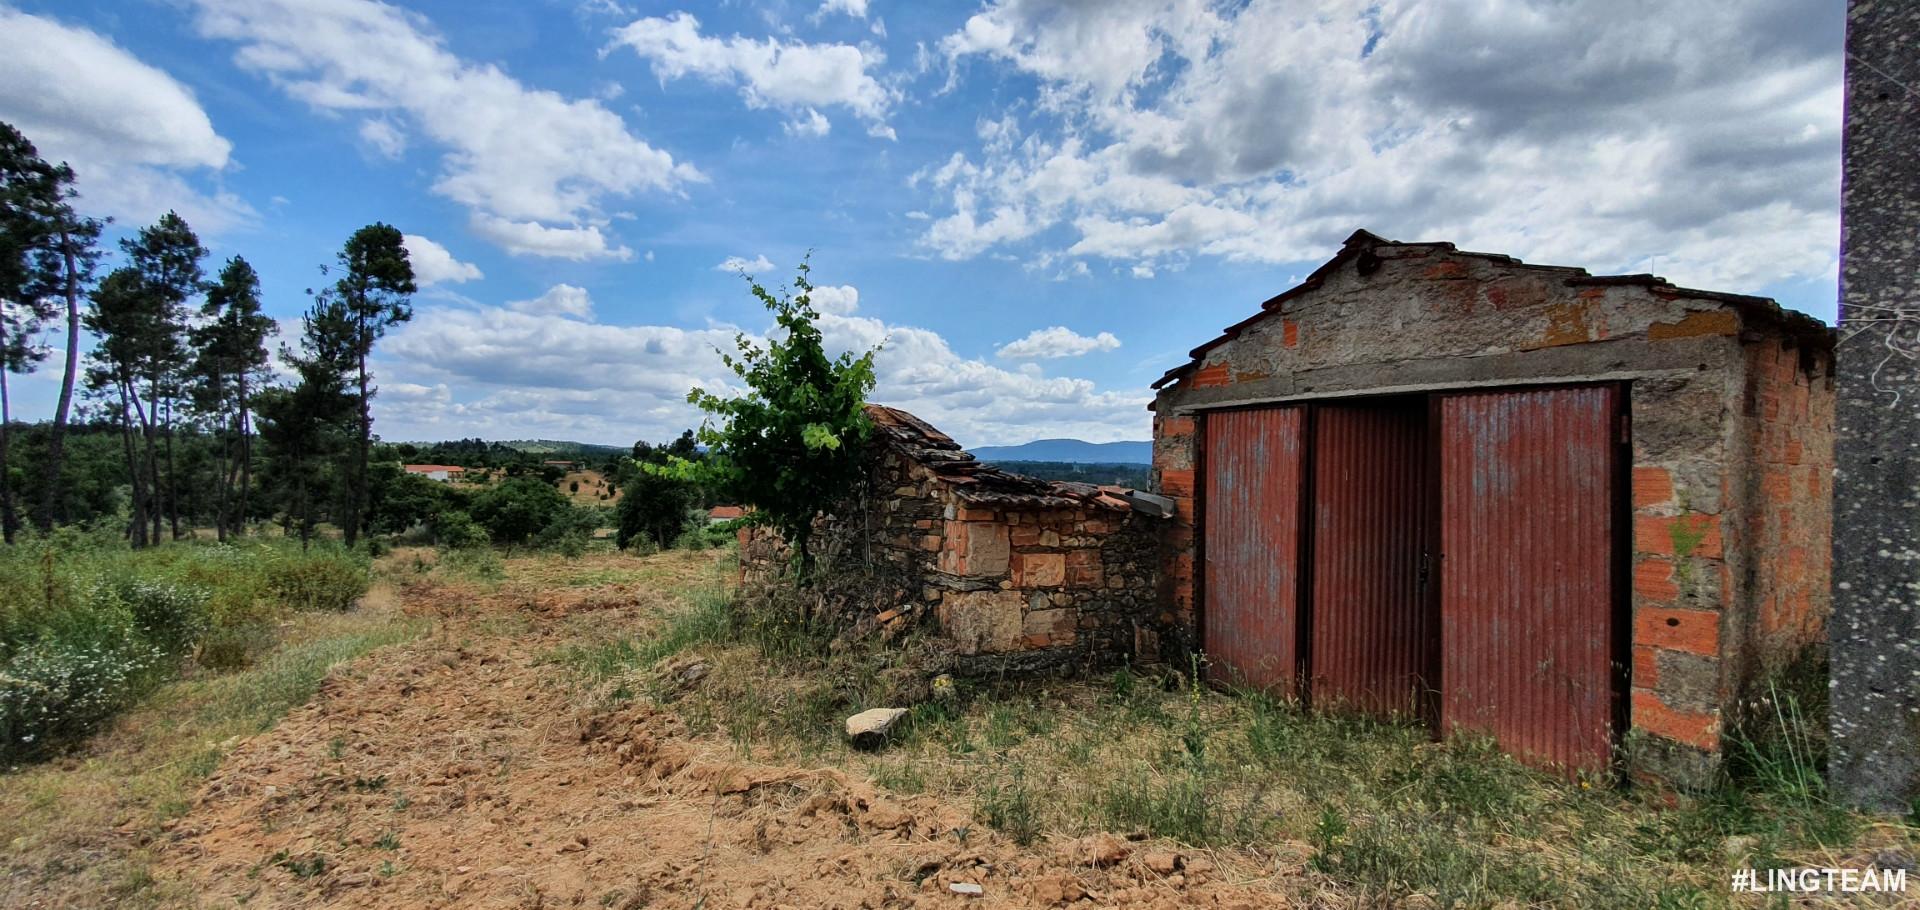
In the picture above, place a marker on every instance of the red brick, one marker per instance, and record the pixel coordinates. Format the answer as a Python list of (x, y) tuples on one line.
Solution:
[(1177, 483), (1290, 333), (977, 515), (1661, 534), (1209, 377), (1174, 426), (1692, 631), (1690, 727), (1646, 670), (1651, 487), (1653, 580), (1446, 269)]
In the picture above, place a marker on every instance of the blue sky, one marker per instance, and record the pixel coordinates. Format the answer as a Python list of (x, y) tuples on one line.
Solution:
[(1038, 207)]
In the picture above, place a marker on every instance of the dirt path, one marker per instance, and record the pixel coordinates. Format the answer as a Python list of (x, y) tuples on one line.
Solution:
[(457, 771)]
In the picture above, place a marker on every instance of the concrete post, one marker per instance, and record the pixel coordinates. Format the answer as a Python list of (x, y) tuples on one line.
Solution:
[(1875, 629)]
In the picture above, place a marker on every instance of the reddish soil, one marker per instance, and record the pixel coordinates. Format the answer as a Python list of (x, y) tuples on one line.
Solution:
[(458, 771)]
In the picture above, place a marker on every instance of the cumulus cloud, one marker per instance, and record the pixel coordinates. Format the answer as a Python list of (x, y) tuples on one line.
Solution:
[(835, 300), (791, 76), (533, 167), (1056, 342), (433, 264), (559, 300), (131, 131), (1705, 134), (531, 368), (741, 264)]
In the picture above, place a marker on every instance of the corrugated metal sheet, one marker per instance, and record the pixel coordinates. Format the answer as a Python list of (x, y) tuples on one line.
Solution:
[(1526, 580), (1372, 621), (1251, 545)]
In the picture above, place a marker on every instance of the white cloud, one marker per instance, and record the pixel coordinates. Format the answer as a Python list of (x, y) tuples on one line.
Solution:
[(526, 370), (1706, 134), (835, 300), (1056, 342), (532, 167), (790, 76), (811, 123), (385, 137), (749, 266), (559, 300), (531, 238), (130, 130), (855, 8), (433, 264)]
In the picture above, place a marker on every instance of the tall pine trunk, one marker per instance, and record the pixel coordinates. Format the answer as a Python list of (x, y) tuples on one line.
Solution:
[(357, 487), (52, 505), (173, 477), (9, 523), (137, 533), (246, 459)]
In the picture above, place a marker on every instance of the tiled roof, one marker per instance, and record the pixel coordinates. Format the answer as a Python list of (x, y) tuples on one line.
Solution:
[(976, 481), (430, 468)]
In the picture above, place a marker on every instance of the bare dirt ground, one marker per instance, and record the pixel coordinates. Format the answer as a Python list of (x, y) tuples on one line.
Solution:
[(458, 770)]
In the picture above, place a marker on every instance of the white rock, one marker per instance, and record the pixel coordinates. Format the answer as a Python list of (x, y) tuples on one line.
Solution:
[(968, 888), (871, 727)]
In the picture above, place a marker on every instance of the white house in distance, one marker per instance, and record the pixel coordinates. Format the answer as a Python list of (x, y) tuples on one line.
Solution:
[(439, 472)]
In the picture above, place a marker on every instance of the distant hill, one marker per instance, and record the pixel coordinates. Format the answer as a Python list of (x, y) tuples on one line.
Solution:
[(560, 448), (1070, 450)]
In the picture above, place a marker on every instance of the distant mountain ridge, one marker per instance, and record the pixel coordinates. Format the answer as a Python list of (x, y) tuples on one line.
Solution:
[(565, 448), (1077, 451)]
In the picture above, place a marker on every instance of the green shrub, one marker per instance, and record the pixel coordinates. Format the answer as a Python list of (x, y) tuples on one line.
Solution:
[(170, 617), (61, 687), (457, 530), (322, 579)]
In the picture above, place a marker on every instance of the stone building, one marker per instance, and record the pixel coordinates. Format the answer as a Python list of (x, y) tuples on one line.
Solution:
[(1527, 500), (1017, 574)]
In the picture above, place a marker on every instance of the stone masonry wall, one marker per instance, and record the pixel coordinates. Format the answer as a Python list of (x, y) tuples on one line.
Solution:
[(1421, 317), (1013, 588)]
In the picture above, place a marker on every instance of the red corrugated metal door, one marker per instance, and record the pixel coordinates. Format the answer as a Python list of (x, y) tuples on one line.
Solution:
[(1371, 616), (1251, 543), (1527, 577)]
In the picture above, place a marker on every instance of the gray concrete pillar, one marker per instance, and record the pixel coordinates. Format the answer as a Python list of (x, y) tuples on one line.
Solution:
[(1875, 629)]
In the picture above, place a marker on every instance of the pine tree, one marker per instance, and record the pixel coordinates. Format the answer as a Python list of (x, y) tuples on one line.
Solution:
[(230, 360), (303, 424), (167, 257), (46, 252), (372, 293)]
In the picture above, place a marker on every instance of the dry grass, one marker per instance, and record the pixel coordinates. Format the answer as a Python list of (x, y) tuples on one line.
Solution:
[(78, 828), (1329, 810)]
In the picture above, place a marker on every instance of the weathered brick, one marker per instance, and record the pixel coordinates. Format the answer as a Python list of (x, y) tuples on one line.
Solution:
[(1290, 333), (1172, 425), (1653, 580), (1692, 631), (1210, 377), (1696, 535), (1651, 486), (1176, 483), (1691, 727)]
